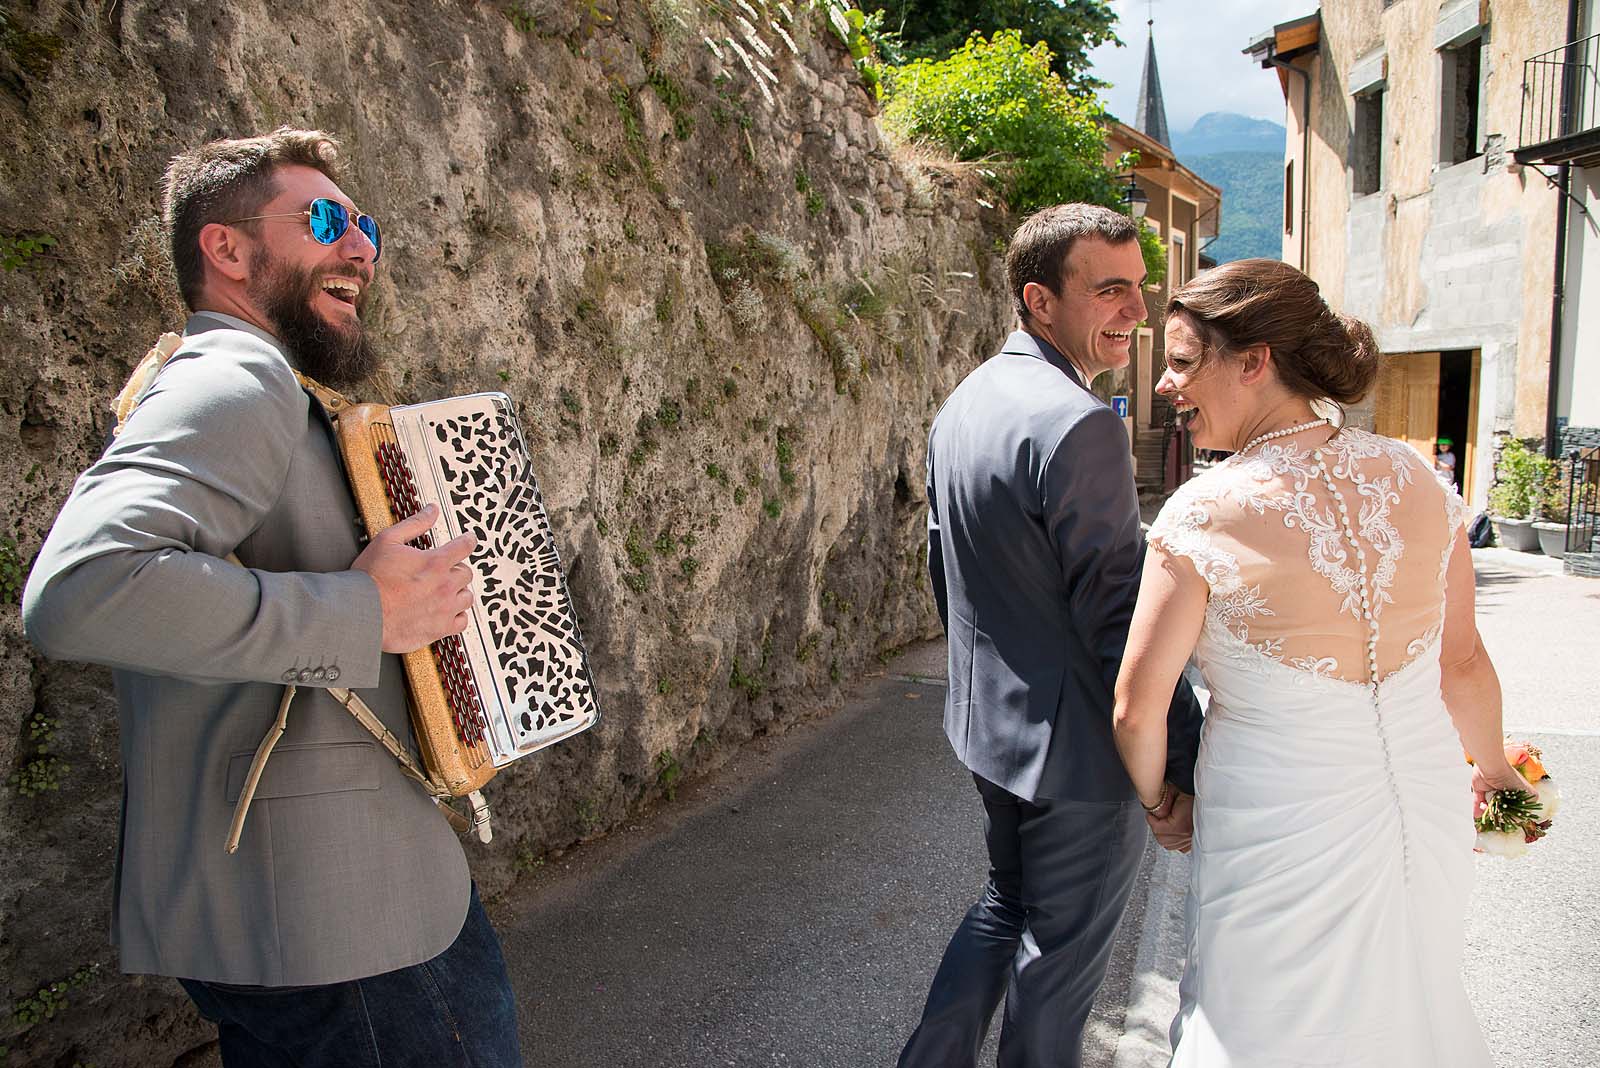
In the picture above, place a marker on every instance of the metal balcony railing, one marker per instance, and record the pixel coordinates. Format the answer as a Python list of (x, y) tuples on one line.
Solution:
[(1560, 104)]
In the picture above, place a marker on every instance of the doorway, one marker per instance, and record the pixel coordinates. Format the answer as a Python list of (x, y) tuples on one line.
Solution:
[(1457, 412), (1426, 397)]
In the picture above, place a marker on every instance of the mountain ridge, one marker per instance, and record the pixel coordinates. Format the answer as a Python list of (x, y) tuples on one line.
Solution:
[(1217, 132)]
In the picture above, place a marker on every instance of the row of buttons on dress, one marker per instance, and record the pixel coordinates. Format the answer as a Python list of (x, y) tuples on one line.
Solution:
[(308, 674)]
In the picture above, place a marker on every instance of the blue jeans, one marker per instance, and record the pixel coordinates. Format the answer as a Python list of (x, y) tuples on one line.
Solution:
[(454, 1011)]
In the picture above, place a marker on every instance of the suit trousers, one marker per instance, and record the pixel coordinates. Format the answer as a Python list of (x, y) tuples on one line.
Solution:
[(1060, 874), (454, 1011)]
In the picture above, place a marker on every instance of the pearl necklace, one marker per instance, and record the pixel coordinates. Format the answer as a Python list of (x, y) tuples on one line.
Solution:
[(1285, 432)]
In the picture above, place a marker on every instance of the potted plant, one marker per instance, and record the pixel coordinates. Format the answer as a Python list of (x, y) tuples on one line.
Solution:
[(1511, 500), (1551, 509)]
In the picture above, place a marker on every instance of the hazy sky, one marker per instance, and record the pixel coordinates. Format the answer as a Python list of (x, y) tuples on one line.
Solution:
[(1198, 51)]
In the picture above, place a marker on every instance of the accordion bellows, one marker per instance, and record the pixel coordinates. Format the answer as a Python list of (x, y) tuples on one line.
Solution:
[(517, 679)]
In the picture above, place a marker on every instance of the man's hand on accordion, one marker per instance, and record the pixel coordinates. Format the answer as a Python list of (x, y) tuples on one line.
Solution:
[(424, 593)]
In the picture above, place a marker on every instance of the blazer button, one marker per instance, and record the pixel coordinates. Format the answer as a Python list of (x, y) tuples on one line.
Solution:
[(319, 674), (333, 674), (290, 675), (305, 675)]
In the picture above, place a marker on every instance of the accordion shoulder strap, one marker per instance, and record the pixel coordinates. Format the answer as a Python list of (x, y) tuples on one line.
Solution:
[(139, 381), (364, 715), (333, 402)]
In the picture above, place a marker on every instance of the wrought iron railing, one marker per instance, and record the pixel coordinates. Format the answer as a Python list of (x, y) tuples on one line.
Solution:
[(1560, 93), (1583, 502)]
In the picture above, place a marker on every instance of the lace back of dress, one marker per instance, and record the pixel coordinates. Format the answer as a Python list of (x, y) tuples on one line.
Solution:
[(1328, 560)]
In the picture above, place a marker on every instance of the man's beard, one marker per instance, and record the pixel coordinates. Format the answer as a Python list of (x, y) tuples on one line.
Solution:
[(337, 355)]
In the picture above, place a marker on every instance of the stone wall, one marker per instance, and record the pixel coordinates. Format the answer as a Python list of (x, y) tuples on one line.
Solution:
[(727, 323)]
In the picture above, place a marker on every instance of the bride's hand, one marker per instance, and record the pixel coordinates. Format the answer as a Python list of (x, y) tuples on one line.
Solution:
[(1505, 777), (1174, 829)]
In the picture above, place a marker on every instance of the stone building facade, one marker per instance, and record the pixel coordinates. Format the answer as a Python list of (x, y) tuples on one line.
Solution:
[(1403, 200)]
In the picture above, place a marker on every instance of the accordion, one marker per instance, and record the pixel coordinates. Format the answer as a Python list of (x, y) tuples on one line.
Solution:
[(517, 679)]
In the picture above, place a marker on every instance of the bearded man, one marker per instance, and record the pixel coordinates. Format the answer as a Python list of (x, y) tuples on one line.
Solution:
[(345, 929)]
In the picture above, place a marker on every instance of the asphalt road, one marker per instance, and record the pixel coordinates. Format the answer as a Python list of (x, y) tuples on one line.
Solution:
[(791, 910), (1533, 936), (788, 913)]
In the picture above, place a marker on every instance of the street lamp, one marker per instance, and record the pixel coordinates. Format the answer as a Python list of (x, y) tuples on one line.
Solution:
[(1135, 199)]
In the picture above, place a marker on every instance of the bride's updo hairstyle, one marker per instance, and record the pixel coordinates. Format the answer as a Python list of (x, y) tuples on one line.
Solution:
[(1318, 353)]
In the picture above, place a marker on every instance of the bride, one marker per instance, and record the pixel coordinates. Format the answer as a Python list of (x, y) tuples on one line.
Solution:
[(1320, 578)]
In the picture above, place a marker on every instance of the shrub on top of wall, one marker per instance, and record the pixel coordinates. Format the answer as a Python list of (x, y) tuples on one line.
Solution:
[(999, 102)]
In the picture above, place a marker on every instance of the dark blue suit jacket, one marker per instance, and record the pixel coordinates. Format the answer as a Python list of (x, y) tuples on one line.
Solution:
[(1035, 550)]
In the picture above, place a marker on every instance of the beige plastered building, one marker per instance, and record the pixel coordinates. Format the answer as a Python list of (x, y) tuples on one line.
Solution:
[(1403, 199)]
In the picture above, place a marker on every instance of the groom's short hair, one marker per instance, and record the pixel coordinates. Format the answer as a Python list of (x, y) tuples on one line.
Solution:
[(1038, 250)]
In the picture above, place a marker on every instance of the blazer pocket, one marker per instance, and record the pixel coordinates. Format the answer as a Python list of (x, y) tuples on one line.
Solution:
[(305, 770)]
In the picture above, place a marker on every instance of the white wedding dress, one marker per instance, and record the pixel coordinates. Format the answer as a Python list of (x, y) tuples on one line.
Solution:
[(1332, 856)]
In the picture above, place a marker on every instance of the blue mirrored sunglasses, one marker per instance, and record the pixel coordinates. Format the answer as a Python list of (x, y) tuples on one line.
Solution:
[(329, 220)]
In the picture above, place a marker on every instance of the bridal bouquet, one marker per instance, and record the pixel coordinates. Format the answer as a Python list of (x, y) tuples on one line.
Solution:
[(1510, 820)]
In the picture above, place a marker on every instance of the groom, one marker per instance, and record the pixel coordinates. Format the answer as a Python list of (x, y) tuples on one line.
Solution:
[(1035, 549)]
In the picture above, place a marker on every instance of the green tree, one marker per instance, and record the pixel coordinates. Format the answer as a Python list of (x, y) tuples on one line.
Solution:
[(999, 102), (933, 29)]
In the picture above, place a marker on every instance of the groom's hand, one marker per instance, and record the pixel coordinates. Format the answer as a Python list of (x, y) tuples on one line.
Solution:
[(1175, 829)]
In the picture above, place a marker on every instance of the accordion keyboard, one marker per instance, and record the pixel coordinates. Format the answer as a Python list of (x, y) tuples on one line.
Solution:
[(466, 706)]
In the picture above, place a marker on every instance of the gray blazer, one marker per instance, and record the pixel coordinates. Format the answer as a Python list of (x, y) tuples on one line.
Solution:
[(346, 868), (1035, 549)]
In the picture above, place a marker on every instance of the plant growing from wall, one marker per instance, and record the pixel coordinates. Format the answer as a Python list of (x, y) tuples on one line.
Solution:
[(869, 44), (33, 53), (748, 34), (12, 573), (43, 1004), (676, 103), (750, 683), (522, 18), (767, 261), (668, 772), (815, 204), (42, 772), (17, 252)]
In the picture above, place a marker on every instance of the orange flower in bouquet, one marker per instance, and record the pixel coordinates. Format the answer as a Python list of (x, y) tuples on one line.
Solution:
[(1526, 759)]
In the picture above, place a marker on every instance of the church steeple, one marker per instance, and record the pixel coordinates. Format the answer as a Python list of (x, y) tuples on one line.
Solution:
[(1151, 119)]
